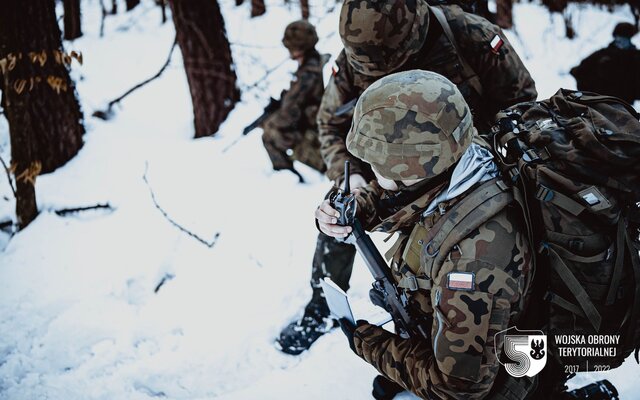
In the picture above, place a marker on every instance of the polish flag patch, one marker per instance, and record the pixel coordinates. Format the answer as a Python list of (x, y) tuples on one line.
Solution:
[(334, 68), (496, 44), (461, 280)]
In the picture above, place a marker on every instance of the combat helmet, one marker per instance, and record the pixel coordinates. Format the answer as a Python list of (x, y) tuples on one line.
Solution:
[(411, 125), (300, 35), (380, 35), (625, 29)]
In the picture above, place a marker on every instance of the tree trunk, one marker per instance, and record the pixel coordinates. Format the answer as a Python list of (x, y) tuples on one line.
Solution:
[(504, 14), (45, 121), (114, 7), (131, 4), (257, 8), (207, 61), (304, 7), (72, 26)]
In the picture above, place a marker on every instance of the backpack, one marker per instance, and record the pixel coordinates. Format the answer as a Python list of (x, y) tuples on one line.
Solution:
[(574, 164)]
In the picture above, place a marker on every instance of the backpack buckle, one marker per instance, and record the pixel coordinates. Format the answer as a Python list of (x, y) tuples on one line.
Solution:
[(544, 193), (530, 156)]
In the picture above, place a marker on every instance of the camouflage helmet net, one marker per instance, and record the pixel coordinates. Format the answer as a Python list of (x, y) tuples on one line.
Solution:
[(300, 35), (411, 125), (380, 35)]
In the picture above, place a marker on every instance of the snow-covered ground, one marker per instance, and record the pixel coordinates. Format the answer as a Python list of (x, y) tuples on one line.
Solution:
[(79, 314)]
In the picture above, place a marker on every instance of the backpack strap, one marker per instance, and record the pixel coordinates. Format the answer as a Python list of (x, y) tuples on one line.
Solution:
[(589, 309), (469, 74), (471, 212), (633, 336)]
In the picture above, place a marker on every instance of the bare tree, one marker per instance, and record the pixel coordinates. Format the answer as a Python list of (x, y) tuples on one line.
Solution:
[(72, 26), (257, 8), (131, 4), (45, 121), (304, 8), (208, 63)]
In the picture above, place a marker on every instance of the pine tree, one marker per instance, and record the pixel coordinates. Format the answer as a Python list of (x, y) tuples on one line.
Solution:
[(45, 121), (72, 26), (207, 61)]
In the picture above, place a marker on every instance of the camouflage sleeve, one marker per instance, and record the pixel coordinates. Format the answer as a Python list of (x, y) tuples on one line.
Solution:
[(458, 361), (505, 79), (333, 129), (290, 113)]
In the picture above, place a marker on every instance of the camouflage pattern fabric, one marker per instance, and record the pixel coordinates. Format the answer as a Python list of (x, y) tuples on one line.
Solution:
[(504, 78), (300, 35), (379, 36), (411, 125), (332, 259), (288, 128), (458, 361)]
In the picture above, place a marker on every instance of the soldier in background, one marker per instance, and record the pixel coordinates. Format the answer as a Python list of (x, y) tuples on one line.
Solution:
[(291, 132), (381, 37), (613, 70), (431, 165)]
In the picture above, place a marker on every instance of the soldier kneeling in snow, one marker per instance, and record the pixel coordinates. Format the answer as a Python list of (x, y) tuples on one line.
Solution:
[(291, 132), (462, 255)]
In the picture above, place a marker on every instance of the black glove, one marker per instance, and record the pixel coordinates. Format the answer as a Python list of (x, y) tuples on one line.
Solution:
[(384, 388), (349, 330)]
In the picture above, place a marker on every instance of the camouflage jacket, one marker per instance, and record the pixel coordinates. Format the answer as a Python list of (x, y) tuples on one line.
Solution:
[(458, 361), (300, 103), (502, 75)]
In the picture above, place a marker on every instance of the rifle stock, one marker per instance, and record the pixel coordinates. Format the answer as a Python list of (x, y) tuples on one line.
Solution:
[(272, 107)]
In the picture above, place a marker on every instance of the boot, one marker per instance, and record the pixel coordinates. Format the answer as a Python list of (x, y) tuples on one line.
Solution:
[(299, 335)]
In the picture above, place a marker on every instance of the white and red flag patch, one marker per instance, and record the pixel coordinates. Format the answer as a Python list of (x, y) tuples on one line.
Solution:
[(496, 43), (461, 280)]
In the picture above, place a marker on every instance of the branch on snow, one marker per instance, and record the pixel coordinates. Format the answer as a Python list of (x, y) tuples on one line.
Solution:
[(108, 113), (209, 244)]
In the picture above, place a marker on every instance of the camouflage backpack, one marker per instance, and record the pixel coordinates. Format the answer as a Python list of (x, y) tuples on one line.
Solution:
[(574, 161)]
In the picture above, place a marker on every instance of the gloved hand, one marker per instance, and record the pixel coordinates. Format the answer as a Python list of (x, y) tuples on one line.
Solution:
[(349, 330), (384, 388)]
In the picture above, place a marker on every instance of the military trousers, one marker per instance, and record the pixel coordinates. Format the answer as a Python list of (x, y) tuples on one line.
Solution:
[(286, 145), (332, 259)]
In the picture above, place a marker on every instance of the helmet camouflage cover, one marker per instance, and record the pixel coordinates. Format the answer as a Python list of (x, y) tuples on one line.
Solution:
[(411, 125), (300, 35), (380, 35)]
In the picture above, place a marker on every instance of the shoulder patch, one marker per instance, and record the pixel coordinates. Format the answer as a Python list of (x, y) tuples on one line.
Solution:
[(461, 280), (496, 44)]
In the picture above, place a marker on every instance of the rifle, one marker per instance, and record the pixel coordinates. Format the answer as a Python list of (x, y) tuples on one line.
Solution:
[(395, 301), (268, 110)]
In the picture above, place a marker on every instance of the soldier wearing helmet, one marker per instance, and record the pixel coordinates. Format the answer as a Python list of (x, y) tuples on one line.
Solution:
[(461, 256), (291, 133), (385, 36)]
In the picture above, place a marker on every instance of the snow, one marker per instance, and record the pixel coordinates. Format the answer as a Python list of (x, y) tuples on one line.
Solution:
[(79, 315)]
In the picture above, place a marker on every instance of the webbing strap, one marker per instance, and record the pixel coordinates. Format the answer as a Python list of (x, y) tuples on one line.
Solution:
[(469, 73), (617, 269), (566, 254), (559, 199), (633, 336), (413, 283), (567, 305), (485, 192), (576, 289), (462, 219)]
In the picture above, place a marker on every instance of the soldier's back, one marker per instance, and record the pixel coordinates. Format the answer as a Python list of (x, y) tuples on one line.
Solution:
[(610, 71)]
